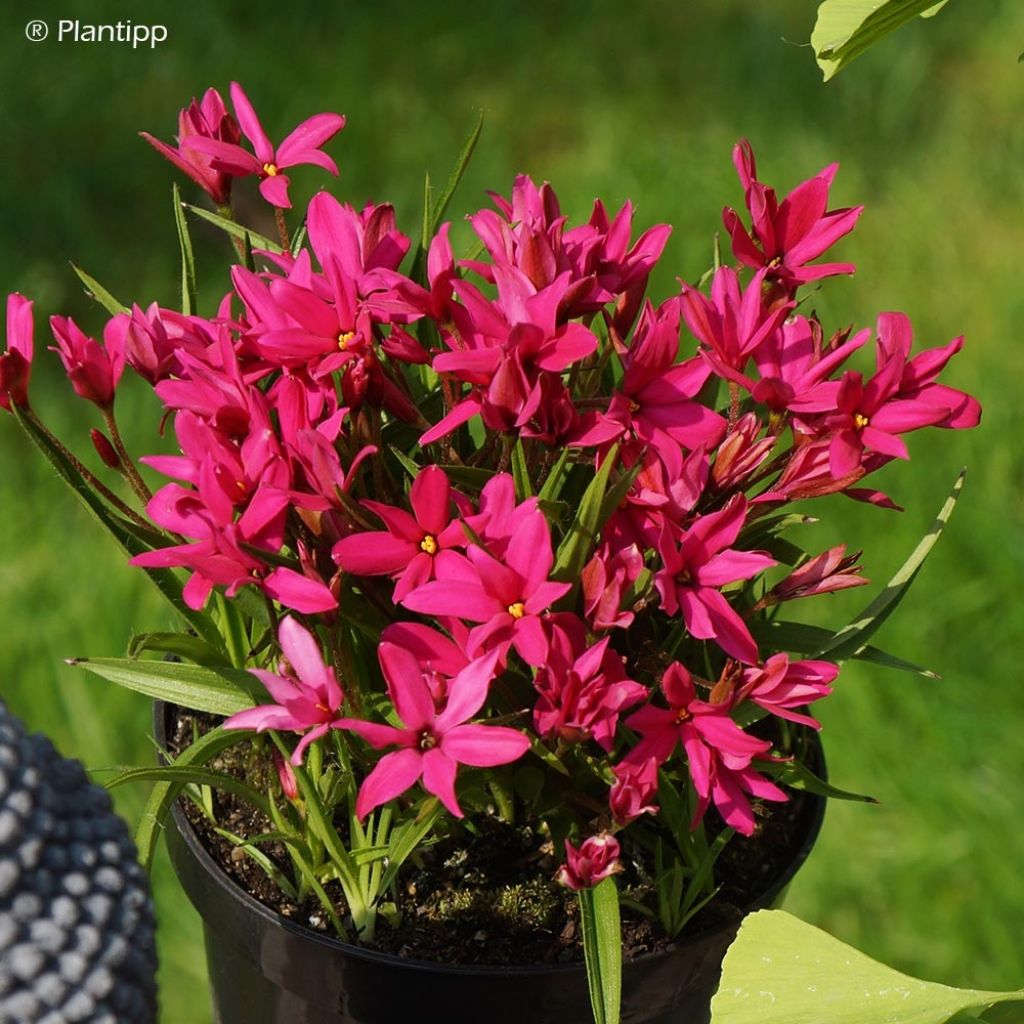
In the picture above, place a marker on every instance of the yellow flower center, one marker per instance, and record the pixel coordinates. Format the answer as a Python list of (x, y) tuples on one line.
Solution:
[(428, 544), (860, 421), (682, 715), (517, 610), (345, 338), (270, 170)]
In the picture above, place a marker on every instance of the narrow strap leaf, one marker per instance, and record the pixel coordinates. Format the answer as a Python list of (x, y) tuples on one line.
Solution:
[(99, 293), (437, 214), (848, 641), (165, 793), (602, 947), (185, 774), (521, 472), (188, 263), (235, 229), (181, 645)]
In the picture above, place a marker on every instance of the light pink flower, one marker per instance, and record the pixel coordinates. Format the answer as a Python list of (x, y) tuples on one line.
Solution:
[(596, 859), (307, 699), (432, 744)]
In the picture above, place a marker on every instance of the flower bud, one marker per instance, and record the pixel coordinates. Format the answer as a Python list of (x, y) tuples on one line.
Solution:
[(104, 449), (595, 860)]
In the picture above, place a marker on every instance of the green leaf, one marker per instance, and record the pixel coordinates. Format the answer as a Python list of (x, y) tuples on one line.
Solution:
[(780, 970), (99, 293), (232, 228), (602, 948), (185, 774), (181, 645), (216, 691), (801, 638), (407, 837), (799, 776), (853, 637), (166, 582), (846, 28), (520, 472), (553, 484), (581, 536), (438, 212), (165, 793), (188, 261), (272, 871)]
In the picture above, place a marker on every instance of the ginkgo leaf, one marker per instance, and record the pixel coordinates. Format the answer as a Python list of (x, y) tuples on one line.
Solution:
[(781, 970)]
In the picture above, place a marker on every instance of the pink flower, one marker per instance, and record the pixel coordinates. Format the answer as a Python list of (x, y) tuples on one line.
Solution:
[(607, 580), (302, 146), (508, 597), (582, 691), (94, 371), (786, 236), (780, 685), (596, 859), (718, 751), (432, 744), (207, 120), (703, 562), (308, 698), (825, 573), (635, 790), (410, 546), (734, 321), (16, 362)]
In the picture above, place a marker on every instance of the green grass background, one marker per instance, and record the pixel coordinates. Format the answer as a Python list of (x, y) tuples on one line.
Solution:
[(639, 100)]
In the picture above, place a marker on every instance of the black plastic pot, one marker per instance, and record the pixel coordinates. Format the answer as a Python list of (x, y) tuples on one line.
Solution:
[(266, 969)]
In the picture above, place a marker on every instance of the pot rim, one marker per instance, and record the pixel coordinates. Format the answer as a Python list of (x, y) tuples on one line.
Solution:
[(811, 819)]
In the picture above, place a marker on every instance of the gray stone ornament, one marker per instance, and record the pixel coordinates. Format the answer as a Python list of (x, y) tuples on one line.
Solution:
[(76, 921)]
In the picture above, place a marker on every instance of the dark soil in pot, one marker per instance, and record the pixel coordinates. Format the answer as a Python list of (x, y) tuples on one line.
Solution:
[(486, 908)]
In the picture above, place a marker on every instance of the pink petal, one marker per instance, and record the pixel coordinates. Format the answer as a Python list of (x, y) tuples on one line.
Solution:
[(483, 746), (274, 188), (406, 686), (467, 692), (266, 716), (462, 599), (311, 737), (392, 776), (298, 592), (375, 553), (430, 497), (439, 778), (250, 124), (301, 144)]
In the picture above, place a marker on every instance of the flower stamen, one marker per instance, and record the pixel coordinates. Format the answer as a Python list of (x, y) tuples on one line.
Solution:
[(345, 339), (517, 610), (270, 170), (429, 544)]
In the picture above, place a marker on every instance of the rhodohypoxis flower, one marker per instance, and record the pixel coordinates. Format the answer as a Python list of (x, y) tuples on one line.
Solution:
[(16, 362), (634, 791), (900, 397), (508, 597), (411, 545), (307, 699), (830, 571), (703, 562), (302, 146), (208, 119), (94, 370), (432, 744), (780, 685), (596, 859), (786, 236), (718, 751), (582, 693)]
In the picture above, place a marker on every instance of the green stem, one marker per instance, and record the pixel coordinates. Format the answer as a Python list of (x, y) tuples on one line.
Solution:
[(138, 485), (227, 213)]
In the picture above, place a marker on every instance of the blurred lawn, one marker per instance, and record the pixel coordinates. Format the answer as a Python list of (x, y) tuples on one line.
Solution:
[(643, 102)]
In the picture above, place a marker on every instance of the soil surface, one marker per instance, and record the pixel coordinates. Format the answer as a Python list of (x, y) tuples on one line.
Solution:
[(491, 898)]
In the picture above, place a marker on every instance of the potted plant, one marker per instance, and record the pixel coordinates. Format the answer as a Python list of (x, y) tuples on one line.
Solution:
[(482, 564)]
